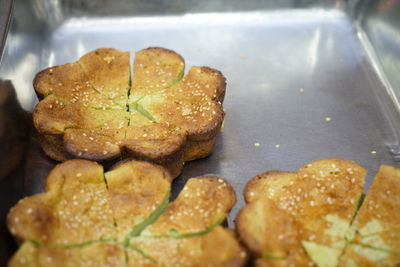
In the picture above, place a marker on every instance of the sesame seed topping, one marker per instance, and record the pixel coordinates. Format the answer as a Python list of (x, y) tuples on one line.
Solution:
[(257, 144), (328, 119), (78, 174)]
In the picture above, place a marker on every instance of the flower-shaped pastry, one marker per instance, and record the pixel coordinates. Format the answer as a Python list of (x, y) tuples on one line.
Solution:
[(123, 218), (94, 109), (301, 218)]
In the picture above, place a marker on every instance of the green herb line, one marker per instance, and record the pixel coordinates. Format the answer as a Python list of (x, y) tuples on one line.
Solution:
[(109, 108), (59, 98), (394, 229), (359, 204), (395, 253), (270, 256), (123, 106), (141, 252), (173, 233), (177, 79), (138, 229), (137, 107)]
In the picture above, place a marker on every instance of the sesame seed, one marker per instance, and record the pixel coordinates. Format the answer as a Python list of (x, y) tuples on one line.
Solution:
[(328, 119), (301, 90), (78, 174), (373, 152), (29, 211), (256, 144), (277, 145)]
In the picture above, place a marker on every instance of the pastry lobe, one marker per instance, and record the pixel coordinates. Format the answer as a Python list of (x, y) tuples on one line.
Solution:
[(95, 109), (123, 217)]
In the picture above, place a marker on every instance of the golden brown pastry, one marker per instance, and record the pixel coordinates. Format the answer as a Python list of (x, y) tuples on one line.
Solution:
[(318, 216), (301, 218), (94, 109), (123, 218)]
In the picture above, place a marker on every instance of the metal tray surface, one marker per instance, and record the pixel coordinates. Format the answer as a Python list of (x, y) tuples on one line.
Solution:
[(301, 86)]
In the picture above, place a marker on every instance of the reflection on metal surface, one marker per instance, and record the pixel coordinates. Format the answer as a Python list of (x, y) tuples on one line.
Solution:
[(286, 16), (379, 30), (5, 17), (26, 64), (313, 49)]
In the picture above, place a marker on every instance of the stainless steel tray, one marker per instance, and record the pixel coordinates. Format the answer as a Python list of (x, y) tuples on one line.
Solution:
[(306, 79)]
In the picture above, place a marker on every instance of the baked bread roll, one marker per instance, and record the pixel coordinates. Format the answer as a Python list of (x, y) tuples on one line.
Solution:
[(94, 109), (123, 217)]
